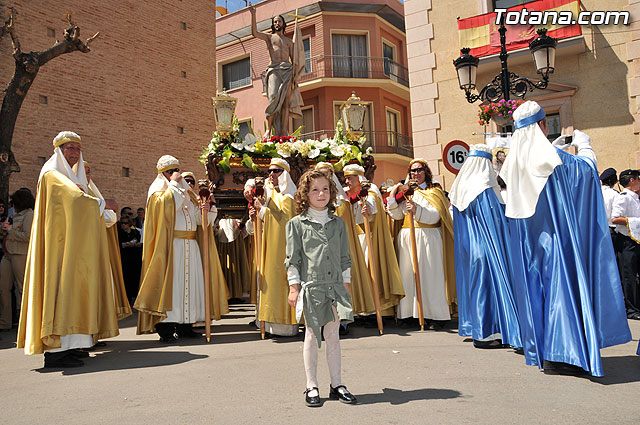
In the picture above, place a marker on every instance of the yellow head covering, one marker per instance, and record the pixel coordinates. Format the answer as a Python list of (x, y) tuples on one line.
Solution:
[(281, 163), (167, 162), (66, 137), (353, 170)]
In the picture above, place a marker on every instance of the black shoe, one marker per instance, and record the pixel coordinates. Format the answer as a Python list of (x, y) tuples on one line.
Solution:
[(168, 339), (496, 343), (312, 401), (79, 354), (343, 330), (61, 360), (186, 331), (559, 368), (344, 397), (634, 316)]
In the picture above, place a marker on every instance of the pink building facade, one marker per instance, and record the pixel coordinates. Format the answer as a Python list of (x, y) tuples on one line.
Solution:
[(349, 47)]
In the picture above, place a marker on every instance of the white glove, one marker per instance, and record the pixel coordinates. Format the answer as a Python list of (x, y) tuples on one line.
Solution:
[(581, 140), (560, 142)]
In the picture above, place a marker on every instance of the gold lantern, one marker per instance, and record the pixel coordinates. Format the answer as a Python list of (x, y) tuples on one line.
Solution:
[(224, 107), (353, 112)]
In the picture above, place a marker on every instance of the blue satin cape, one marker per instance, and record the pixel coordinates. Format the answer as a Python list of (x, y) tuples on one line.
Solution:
[(486, 303), (569, 299)]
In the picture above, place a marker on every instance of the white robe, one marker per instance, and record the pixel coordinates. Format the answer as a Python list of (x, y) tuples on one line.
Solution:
[(430, 261), (188, 275)]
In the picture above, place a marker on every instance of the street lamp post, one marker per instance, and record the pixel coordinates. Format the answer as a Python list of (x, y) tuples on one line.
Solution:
[(543, 49)]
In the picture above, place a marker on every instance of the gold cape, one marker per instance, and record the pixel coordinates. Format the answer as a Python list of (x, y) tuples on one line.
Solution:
[(361, 295), (436, 197), (155, 296), (235, 266), (123, 308), (67, 286), (388, 272), (218, 293), (274, 292)]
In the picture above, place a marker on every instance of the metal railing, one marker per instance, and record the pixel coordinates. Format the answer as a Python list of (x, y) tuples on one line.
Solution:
[(380, 141), (323, 66)]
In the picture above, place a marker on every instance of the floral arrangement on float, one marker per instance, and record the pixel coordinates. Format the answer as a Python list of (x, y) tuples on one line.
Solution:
[(501, 112), (229, 147)]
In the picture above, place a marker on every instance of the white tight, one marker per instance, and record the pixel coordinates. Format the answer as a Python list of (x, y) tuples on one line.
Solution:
[(332, 344)]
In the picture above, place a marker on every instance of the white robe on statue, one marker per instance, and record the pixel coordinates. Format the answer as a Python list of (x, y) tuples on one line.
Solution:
[(188, 275), (430, 261)]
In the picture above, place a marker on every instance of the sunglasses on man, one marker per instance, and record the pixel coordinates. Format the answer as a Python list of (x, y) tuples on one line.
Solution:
[(175, 170), (417, 170), (190, 181), (275, 170)]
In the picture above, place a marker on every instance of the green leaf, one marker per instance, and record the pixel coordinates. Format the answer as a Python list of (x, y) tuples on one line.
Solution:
[(297, 133), (225, 165), (248, 162)]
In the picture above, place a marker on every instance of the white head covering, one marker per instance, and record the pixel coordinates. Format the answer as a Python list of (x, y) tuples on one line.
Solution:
[(59, 163), (358, 170), (530, 162), (285, 182), (90, 184), (475, 176), (342, 196), (166, 162)]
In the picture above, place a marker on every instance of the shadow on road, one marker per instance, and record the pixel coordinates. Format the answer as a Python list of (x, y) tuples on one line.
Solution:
[(619, 370), (393, 396), (123, 360)]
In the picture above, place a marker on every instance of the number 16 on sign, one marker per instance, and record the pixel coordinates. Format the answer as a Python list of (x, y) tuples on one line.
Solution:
[(454, 155)]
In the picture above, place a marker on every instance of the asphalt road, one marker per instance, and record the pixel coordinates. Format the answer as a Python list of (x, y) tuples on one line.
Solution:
[(402, 377)]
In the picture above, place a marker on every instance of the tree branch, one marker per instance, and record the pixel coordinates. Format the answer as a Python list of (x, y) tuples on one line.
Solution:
[(71, 42)]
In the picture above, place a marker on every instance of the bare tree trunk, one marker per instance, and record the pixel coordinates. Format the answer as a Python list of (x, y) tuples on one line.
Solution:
[(26, 69)]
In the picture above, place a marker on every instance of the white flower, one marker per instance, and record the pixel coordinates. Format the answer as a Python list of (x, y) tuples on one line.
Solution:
[(313, 153), (238, 145), (320, 144), (337, 150), (268, 143), (250, 148), (250, 139)]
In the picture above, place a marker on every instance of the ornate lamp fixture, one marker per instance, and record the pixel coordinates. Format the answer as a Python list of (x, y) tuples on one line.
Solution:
[(224, 107), (353, 112), (543, 49)]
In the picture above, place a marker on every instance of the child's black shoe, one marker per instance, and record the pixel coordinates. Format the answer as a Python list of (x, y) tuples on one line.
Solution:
[(341, 393), (312, 401)]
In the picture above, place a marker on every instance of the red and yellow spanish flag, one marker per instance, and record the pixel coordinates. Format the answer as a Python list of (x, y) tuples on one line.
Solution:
[(480, 33)]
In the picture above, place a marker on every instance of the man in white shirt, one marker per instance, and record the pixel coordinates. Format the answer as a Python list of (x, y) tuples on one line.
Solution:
[(608, 178), (627, 204)]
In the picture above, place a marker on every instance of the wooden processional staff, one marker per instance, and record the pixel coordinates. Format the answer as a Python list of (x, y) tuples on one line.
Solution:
[(372, 268), (413, 185), (204, 194), (259, 191)]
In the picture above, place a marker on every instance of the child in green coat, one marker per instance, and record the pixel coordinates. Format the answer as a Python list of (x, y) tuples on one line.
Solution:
[(318, 268)]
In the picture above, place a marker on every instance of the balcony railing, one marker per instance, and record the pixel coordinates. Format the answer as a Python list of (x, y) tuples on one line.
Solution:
[(323, 66), (380, 141)]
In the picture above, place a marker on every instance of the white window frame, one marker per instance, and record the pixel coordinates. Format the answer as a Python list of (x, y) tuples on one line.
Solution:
[(231, 60)]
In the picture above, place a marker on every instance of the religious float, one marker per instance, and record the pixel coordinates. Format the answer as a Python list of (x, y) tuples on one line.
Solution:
[(231, 160)]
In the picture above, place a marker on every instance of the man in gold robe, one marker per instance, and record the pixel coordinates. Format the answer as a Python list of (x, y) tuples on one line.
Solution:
[(171, 297), (385, 271), (122, 306), (277, 210), (67, 302)]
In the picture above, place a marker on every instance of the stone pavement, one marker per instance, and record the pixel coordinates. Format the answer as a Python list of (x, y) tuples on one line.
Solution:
[(402, 377)]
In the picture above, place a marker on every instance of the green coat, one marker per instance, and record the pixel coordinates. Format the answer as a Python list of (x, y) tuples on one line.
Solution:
[(321, 254)]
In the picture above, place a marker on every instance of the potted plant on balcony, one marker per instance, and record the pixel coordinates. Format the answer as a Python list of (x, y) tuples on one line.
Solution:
[(500, 112)]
